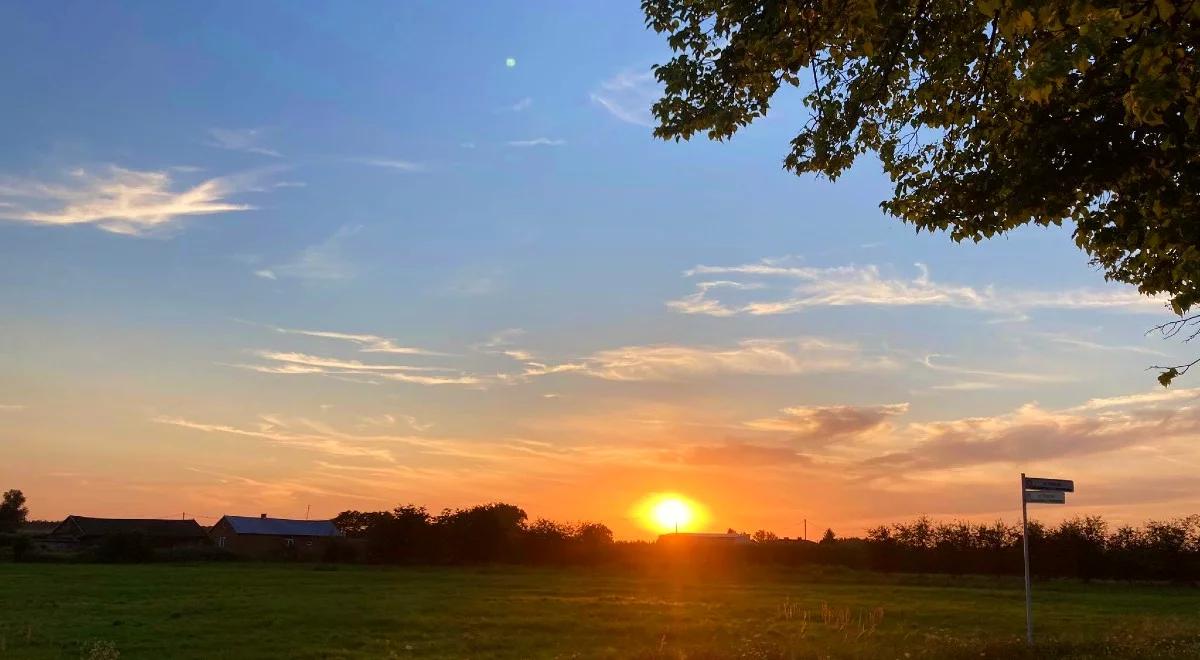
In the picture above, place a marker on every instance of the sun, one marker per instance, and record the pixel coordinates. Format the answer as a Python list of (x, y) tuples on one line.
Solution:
[(669, 512)]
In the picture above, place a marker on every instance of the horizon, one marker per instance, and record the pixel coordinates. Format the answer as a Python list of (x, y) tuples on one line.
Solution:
[(244, 274)]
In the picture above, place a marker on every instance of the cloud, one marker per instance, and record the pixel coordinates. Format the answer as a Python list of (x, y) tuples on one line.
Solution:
[(537, 142), (520, 106), (392, 164), (12, 407), (628, 96), (1031, 434), (798, 288), (966, 386), (476, 282), (750, 356), (826, 424), (500, 339), (1011, 376), (369, 343), (1086, 345), (247, 140), (119, 200), (299, 364), (739, 454), (391, 420), (323, 261), (271, 430)]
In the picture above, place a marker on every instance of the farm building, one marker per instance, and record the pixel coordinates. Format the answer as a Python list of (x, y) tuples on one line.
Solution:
[(155, 533), (274, 538)]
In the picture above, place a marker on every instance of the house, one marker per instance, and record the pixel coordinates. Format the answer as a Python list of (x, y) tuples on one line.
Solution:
[(76, 531), (274, 538)]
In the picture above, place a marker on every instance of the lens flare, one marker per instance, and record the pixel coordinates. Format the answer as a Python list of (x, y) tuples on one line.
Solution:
[(510, 62)]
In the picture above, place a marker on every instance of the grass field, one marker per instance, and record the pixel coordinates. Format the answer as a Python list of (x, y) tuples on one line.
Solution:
[(288, 611)]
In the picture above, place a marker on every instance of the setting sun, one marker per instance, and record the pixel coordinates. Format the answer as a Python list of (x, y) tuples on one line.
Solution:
[(669, 512)]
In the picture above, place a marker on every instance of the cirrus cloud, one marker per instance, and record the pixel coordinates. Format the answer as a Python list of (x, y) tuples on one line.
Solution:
[(119, 200)]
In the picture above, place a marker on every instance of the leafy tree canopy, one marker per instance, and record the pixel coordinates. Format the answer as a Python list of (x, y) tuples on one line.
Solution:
[(12, 510), (986, 115)]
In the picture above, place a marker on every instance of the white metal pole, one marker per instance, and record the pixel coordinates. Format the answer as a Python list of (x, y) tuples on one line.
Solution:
[(1025, 542)]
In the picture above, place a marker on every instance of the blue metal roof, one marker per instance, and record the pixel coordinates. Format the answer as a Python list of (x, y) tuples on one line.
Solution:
[(281, 526)]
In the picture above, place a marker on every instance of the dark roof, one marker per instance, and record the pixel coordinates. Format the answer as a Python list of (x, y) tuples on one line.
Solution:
[(84, 526), (281, 526)]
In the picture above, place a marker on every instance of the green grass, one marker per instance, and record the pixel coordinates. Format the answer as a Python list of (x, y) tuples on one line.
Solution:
[(274, 611)]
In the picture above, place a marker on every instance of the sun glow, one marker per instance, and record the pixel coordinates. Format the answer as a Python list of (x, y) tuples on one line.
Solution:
[(670, 512)]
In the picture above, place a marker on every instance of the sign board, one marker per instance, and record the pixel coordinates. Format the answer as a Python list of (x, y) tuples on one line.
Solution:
[(1038, 483), (1045, 497)]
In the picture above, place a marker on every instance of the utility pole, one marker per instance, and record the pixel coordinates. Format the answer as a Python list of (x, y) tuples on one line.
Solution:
[(806, 529)]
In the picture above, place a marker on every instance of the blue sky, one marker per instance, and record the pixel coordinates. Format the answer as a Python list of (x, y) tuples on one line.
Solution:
[(269, 255)]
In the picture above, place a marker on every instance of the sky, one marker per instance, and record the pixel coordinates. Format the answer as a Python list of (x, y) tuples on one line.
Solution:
[(302, 257)]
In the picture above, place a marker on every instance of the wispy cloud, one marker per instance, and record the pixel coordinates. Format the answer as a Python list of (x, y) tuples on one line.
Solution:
[(323, 261), (805, 287), (738, 454), (668, 362), (537, 142), (368, 343), (388, 419), (287, 363), (271, 430), (500, 339), (628, 96), (119, 200), (1079, 343), (519, 106), (1027, 377), (391, 164), (11, 407), (825, 424), (247, 140)]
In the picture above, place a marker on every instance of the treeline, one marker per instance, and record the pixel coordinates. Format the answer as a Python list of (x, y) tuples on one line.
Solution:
[(488, 533), (1084, 547)]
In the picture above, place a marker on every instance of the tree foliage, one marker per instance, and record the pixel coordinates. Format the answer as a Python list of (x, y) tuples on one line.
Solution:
[(13, 511), (986, 115), (494, 532)]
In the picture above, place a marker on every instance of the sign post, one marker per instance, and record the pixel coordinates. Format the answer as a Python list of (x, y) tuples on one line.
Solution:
[(1037, 490)]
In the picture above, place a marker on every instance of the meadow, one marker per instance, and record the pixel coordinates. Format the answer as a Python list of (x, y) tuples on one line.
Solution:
[(237, 610)]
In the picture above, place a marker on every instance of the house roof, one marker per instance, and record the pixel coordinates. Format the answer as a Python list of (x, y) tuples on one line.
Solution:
[(85, 526), (281, 526)]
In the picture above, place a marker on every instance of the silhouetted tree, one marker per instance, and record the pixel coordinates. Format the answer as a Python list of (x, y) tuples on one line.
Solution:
[(489, 532), (763, 536), (13, 511), (828, 537)]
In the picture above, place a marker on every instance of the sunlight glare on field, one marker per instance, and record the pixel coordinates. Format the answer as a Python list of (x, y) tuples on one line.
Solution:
[(670, 512)]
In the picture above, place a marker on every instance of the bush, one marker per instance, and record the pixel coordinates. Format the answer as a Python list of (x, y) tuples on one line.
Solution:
[(21, 547), (124, 548), (193, 553)]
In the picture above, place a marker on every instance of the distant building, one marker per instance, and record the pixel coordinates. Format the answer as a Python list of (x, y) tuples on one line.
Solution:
[(84, 531), (704, 539), (274, 538)]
